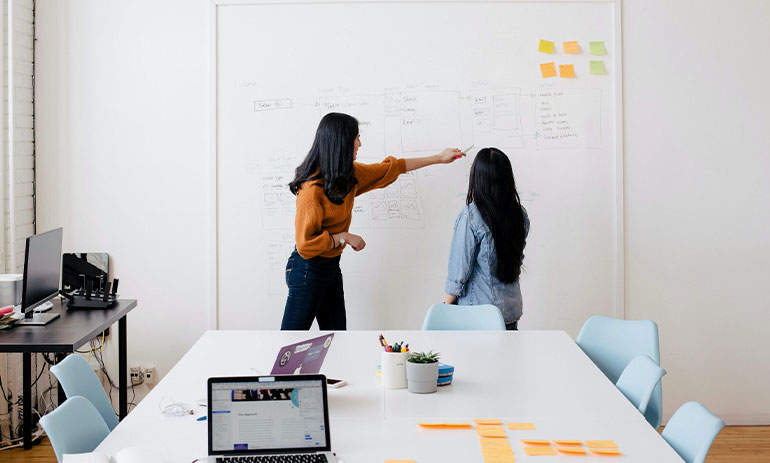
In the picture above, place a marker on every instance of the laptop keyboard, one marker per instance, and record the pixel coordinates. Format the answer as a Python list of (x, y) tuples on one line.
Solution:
[(298, 458)]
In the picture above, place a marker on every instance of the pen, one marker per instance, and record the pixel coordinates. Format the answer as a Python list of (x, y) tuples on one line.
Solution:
[(465, 150)]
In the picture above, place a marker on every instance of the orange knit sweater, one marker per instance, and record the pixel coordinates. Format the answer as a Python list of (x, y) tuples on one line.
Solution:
[(318, 218)]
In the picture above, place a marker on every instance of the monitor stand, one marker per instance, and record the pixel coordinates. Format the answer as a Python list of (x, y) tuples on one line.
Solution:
[(39, 319)]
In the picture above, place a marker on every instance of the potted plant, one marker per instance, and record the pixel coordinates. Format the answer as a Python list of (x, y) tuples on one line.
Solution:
[(422, 372)]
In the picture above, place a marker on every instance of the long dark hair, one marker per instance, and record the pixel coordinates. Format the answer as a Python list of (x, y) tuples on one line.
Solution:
[(493, 189), (330, 158)]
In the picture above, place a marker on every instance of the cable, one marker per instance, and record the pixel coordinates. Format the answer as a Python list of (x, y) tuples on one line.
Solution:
[(177, 409)]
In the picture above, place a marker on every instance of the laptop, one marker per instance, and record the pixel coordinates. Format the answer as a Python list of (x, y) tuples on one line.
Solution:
[(259, 418), (302, 357)]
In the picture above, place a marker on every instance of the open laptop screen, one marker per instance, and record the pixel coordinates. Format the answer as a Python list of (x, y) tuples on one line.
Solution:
[(268, 414)]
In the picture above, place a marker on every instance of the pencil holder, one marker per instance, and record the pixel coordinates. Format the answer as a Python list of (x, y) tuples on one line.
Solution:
[(393, 369)]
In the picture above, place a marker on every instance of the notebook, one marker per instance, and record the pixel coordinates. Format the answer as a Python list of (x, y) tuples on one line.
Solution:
[(302, 357), (257, 416)]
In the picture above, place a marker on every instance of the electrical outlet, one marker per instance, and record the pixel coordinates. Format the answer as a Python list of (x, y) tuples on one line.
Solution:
[(149, 376), (137, 376)]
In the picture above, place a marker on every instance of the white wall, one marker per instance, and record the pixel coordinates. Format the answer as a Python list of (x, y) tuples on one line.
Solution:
[(122, 122), (698, 196), (122, 108)]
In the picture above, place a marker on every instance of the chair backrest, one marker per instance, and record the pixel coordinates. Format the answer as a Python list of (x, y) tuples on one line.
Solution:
[(639, 379), (691, 431), (78, 379), (463, 317), (74, 427), (611, 343)]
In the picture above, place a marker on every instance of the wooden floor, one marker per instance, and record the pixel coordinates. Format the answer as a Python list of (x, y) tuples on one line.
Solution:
[(746, 444)]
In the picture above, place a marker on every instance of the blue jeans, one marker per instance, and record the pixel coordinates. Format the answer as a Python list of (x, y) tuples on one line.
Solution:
[(315, 292)]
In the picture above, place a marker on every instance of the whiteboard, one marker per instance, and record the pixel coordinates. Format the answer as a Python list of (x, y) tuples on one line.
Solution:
[(419, 77)]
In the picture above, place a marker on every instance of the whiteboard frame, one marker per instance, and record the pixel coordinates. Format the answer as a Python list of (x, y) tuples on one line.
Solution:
[(620, 172)]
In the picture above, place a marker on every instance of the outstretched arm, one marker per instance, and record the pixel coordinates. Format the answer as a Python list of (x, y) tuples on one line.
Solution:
[(445, 157)]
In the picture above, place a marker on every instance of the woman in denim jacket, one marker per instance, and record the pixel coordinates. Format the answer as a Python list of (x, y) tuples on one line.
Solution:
[(489, 238)]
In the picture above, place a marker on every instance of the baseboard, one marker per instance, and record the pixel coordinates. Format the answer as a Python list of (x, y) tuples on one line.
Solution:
[(759, 419)]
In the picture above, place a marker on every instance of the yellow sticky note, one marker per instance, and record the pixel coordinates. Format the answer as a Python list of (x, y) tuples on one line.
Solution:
[(571, 47), (545, 46), (539, 451), (597, 48), (548, 69), (445, 425), (571, 450), (487, 421), (597, 67), (535, 442), (601, 444), (521, 426), (608, 452), (568, 442), (567, 70), (490, 431)]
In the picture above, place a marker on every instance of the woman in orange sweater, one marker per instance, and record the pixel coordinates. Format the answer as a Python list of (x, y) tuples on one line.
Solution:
[(326, 183)]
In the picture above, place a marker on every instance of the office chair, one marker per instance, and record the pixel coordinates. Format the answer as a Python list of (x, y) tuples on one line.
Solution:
[(463, 317), (691, 431), (78, 379), (639, 379), (74, 427), (611, 343)]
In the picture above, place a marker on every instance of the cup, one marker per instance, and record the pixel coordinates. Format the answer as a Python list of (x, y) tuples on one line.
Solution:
[(393, 369), (10, 289)]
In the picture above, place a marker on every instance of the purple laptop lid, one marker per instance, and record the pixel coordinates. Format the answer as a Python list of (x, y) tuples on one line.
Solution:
[(302, 357)]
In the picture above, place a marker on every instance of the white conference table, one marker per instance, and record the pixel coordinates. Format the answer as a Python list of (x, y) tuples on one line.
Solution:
[(527, 376)]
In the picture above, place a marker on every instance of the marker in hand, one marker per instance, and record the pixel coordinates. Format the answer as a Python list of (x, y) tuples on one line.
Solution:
[(465, 151)]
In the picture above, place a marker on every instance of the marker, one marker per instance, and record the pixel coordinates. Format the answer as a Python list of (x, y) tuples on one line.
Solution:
[(465, 151)]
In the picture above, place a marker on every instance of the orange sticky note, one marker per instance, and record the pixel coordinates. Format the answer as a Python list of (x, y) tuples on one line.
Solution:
[(568, 442), (490, 431), (545, 46), (571, 47), (606, 451), (445, 425), (572, 450), (535, 442), (539, 451), (567, 70), (521, 426), (601, 444), (487, 421), (548, 70)]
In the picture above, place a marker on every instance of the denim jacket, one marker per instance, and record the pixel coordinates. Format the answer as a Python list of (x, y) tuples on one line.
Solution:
[(473, 266)]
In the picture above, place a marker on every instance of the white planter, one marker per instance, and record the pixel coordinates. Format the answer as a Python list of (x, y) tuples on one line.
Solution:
[(422, 378)]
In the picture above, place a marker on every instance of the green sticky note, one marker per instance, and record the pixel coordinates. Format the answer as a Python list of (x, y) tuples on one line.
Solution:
[(597, 67), (597, 48)]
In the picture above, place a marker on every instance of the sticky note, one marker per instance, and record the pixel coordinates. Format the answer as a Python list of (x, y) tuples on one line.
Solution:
[(597, 48), (601, 444), (545, 46), (539, 451), (445, 425), (535, 442), (597, 67), (548, 69), (572, 450), (568, 442), (567, 70), (485, 421), (490, 431), (521, 426), (571, 47), (605, 451)]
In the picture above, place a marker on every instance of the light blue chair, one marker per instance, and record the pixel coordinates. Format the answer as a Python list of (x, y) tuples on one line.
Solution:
[(639, 379), (463, 317), (611, 343), (74, 427), (691, 431), (78, 379)]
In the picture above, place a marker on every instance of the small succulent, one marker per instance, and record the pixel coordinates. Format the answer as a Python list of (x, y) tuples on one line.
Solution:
[(424, 357)]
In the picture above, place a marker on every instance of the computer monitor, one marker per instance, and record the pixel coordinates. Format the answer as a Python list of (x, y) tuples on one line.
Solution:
[(42, 270)]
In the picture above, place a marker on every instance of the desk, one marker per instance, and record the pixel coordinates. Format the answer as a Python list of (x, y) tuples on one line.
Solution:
[(525, 376), (70, 331)]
